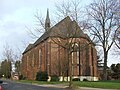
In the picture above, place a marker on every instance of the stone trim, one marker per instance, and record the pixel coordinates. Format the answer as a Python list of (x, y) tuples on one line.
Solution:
[(89, 78)]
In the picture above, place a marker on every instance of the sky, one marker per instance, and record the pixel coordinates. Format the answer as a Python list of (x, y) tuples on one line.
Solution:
[(16, 15)]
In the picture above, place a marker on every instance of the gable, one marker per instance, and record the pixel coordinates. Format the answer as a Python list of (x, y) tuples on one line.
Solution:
[(66, 28)]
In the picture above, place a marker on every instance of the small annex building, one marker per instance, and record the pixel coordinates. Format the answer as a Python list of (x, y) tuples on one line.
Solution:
[(53, 51)]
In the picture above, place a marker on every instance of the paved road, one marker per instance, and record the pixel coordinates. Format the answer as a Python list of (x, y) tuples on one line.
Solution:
[(10, 85)]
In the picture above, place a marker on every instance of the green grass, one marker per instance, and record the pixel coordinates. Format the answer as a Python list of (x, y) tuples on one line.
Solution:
[(97, 84), (40, 82), (100, 84)]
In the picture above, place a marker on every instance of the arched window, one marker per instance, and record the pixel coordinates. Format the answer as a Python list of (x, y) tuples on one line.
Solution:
[(75, 52), (27, 61), (33, 59), (75, 59), (40, 56)]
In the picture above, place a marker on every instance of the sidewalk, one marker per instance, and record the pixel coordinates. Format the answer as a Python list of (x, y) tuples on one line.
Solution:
[(88, 88), (64, 86)]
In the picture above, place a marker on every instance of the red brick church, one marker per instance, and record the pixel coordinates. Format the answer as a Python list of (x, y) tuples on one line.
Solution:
[(53, 51)]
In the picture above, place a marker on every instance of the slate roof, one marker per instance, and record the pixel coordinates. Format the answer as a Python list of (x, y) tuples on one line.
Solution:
[(61, 29), (28, 48)]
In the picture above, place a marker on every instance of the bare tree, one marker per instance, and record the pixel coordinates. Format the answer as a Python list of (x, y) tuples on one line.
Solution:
[(117, 12), (12, 57), (117, 40), (73, 9), (39, 29), (11, 54), (65, 39), (61, 66), (8, 53), (104, 25), (67, 36), (6, 65), (70, 8), (18, 67)]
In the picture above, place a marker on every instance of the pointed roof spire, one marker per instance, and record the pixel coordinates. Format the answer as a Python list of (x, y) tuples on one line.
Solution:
[(47, 17), (47, 21)]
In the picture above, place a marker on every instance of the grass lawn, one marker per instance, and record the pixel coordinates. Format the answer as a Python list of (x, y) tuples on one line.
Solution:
[(97, 84), (41, 82)]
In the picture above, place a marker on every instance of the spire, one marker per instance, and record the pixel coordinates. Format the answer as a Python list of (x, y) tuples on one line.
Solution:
[(47, 21)]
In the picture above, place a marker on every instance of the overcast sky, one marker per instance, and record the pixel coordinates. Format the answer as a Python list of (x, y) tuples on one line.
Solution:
[(15, 15)]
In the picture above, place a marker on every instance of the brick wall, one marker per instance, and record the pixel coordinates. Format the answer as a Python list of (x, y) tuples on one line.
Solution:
[(53, 59)]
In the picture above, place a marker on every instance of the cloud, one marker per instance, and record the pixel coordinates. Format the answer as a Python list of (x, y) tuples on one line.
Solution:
[(8, 7), (16, 14), (11, 6)]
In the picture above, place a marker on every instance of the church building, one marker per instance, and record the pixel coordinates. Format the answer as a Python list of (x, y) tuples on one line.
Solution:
[(61, 47)]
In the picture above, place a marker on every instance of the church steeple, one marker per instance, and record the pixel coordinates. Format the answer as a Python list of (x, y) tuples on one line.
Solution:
[(47, 21)]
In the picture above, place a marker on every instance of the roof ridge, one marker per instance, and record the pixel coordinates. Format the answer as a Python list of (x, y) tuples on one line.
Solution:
[(49, 31), (60, 27)]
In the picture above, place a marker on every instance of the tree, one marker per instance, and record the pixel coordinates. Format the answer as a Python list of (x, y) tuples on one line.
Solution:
[(42, 76), (103, 25), (115, 71), (68, 40), (11, 56), (117, 40), (99, 58), (6, 68), (18, 67), (6, 65), (8, 53), (61, 67), (39, 28), (67, 37), (73, 9)]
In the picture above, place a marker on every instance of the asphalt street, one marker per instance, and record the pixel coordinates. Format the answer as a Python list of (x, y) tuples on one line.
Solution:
[(11, 85)]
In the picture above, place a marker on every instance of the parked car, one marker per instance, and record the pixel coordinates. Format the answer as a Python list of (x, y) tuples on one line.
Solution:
[(0, 87), (1, 81), (0, 84)]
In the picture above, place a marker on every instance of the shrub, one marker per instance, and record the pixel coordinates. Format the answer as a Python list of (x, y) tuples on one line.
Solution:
[(76, 79), (21, 77), (85, 79), (42, 76), (54, 78)]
